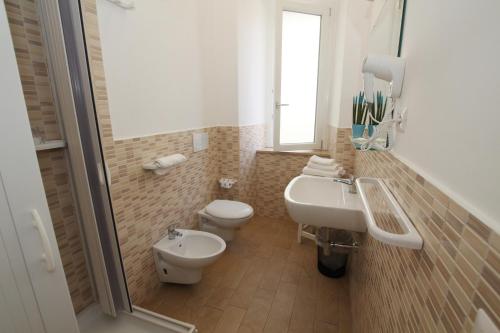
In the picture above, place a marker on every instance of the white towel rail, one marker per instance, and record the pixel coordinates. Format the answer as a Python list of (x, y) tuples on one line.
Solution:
[(161, 168), (411, 239)]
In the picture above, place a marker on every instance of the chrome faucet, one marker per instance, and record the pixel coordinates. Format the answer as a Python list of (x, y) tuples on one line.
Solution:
[(351, 181), (172, 233)]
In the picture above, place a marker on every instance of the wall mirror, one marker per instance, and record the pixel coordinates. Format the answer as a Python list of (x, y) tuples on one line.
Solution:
[(386, 32), (387, 27)]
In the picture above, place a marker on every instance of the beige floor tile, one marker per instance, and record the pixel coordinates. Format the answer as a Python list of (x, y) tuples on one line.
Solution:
[(322, 327), (207, 319), (292, 273), (155, 300), (248, 329), (302, 319), (255, 319), (182, 313), (220, 297), (257, 312), (280, 254), (264, 282), (230, 320), (271, 279), (276, 325), (281, 309), (345, 326), (242, 298), (234, 274), (327, 311)]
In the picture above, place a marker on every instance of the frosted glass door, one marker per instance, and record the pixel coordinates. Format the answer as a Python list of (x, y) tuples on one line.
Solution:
[(299, 77)]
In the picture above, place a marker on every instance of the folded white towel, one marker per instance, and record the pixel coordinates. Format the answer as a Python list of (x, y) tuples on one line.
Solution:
[(169, 161), (332, 167), (321, 173), (321, 160)]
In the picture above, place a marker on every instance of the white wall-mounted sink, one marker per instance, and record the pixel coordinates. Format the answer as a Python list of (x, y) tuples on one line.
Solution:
[(322, 202)]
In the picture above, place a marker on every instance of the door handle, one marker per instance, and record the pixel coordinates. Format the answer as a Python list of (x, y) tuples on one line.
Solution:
[(278, 105), (100, 174), (47, 255)]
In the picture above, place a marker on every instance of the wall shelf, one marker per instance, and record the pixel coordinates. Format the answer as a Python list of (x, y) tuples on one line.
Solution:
[(49, 145), (358, 142)]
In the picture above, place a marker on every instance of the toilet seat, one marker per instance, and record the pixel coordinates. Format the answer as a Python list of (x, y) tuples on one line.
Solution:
[(230, 210), (223, 217)]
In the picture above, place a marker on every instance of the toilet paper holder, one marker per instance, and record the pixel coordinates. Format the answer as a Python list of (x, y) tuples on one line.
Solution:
[(227, 183)]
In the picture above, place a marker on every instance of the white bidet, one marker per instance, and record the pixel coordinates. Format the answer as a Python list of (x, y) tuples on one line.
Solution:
[(181, 259)]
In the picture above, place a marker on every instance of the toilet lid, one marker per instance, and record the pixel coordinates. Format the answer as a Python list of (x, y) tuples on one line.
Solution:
[(227, 209)]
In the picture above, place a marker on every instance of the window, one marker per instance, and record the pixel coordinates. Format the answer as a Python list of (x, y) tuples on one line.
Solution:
[(300, 114)]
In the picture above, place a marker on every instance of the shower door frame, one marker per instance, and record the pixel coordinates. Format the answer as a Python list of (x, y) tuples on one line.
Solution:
[(67, 62), (68, 50)]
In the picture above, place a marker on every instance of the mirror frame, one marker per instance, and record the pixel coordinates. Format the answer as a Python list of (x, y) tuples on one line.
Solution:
[(401, 32)]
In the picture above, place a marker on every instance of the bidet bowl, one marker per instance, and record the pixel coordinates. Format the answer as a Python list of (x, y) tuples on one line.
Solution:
[(194, 249), (319, 201)]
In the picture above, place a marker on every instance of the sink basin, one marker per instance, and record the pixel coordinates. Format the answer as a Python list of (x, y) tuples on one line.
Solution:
[(321, 202)]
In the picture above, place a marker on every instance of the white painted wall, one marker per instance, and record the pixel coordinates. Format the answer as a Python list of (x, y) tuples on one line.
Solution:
[(174, 65), (254, 61), (451, 88), (153, 67), (217, 25)]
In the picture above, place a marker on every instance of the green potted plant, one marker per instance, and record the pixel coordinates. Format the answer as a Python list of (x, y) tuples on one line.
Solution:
[(377, 112), (359, 114)]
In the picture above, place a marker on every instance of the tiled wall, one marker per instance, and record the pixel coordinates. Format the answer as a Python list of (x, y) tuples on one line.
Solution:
[(145, 204), (237, 158), (341, 148), (437, 289), (27, 38), (251, 140), (228, 142), (274, 172), (31, 60)]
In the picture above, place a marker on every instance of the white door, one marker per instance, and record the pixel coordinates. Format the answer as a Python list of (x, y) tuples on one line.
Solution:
[(301, 91), (34, 295)]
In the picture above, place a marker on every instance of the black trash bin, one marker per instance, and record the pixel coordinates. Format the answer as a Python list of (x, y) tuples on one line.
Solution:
[(333, 261)]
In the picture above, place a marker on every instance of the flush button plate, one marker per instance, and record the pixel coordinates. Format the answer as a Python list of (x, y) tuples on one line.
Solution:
[(200, 141)]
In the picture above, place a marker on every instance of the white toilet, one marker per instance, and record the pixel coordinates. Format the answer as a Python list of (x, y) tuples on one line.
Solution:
[(181, 259), (223, 217)]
